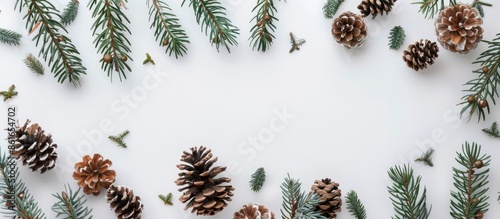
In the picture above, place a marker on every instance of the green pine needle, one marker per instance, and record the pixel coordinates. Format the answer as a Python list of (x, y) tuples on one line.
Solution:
[(71, 205), (426, 157), (331, 7), (297, 204), (118, 139), (429, 8), (258, 179), (9, 37), (70, 12), (148, 60), (355, 206), (262, 33), (493, 131), (10, 93), (396, 37), (478, 4), (167, 200), (34, 64), (471, 183)]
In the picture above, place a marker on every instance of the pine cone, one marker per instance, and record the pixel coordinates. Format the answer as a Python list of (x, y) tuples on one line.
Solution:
[(34, 147), (254, 211), (349, 29), (329, 196), (93, 174), (124, 203), (420, 54), (458, 28), (375, 7), (204, 193)]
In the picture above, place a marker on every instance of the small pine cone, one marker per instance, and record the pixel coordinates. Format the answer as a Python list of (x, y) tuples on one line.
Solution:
[(93, 174), (34, 147), (205, 194), (458, 28), (124, 203), (330, 197), (254, 211), (349, 29), (375, 7), (420, 54)]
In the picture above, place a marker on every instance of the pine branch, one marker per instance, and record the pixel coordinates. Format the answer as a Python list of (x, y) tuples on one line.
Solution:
[(9, 37), (70, 12), (70, 205), (478, 4), (426, 157), (493, 131), (210, 15), (167, 200), (148, 60), (118, 139), (111, 42), (483, 89), (406, 198), (262, 33), (355, 206), (470, 181), (296, 43), (331, 7), (56, 49), (258, 179), (10, 93), (429, 8), (168, 31), (34, 64), (296, 204), (396, 37)]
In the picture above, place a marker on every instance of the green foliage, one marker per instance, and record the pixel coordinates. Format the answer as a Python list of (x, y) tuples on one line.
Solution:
[(112, 41), (355, 206), (9, 37), (331, 7), (148, 60), (406, 198), (55, 48), (71, 205), (429, 8), (296, 43), (426, 157), (210, 15), (262, 33), (484, 87), (396, 37), (118, 139), (257, 180), (11, 92), (478, 4), (470, 181), (297, 204), (493, 131), (168, 31), (34, 64), (70, 12), (167, 200)]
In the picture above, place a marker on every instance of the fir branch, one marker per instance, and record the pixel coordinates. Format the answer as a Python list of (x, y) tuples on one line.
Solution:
[(9, 37), (10, 93), (210, 15), (148, 60), (262, 33), (478, 4), (34, 64), (56, 49), (118, 139), (396, 37), (493, 131), (429, 8), (295, 43), (257, 180), (168, 31), (483, 89), (426, 157), (296, 204), (167, 200), (111, 42), (70, 12), (406, 198), (470, 181), (355, 206), (331, 7), (71, 205)]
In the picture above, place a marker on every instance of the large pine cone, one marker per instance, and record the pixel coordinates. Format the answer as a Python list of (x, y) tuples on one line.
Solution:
[(458, 28), (205, 194), (34, 147), (93, 174), (124, 203), (375, 7), (349, 29), (329, 196), (254, 211), (420, 54)]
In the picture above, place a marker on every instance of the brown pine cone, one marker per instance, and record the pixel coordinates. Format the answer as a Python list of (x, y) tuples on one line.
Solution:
[(124, 203), (330, 197), (349, 29), (93, 174), (420, 54), (254, 211), (375, 7), (458, 28)]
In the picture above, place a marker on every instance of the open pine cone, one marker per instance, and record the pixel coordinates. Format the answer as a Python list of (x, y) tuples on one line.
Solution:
[(93, 174), (124, 203), (204, 193), (375, 7), (34, 147), (420, 54), (330, 199), (254, 211), (349, 29), (458, 28)]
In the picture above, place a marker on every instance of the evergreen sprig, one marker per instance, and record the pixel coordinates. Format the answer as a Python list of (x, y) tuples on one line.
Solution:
[(396, 37), (56, 49), (118, 139), (355, 206), (70, 12), (429, 8), (262, 33), (71, 205), (426, 157), (408, 201), (257, 179), (470, 181), (493, 131), (34, 64), (478, 4), (111, 42), (331, 7), (10, 93), (9, 37), (168, 31), (483, 89), (297, 204), (167, 199), (211, 16)]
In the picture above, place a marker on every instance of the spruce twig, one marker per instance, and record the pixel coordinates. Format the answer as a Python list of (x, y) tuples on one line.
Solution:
[(10, 93), (257, 180), (396, 37), (426, 157), (355, 206), (167, 200), (295, 43), (70, 12), (118, 139), (34, 64), (297, 204), (71, 205), (331, 7), (432, 7), (148, 60), (478, 4), (262, 33), (9, 37), (493, 131)]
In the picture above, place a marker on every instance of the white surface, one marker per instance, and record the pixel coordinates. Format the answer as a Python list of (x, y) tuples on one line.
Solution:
[(358, 112)]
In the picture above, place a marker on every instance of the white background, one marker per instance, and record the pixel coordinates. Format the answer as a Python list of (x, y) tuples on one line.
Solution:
[(358, 112)]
